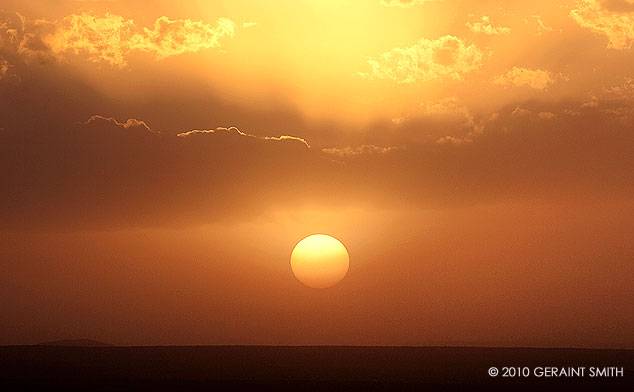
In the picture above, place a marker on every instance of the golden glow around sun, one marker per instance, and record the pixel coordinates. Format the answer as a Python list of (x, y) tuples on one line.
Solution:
[(320, 261)]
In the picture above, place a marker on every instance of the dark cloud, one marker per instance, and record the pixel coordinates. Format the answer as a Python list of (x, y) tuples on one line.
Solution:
[(108, 173), (618, 5)]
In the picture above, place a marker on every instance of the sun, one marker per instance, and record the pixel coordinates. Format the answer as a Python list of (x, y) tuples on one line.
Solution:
[(320, 261)]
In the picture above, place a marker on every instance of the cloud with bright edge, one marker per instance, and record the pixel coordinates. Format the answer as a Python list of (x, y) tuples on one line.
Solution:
[(447, 57), (236, 131), (520, 112), (131, 123)]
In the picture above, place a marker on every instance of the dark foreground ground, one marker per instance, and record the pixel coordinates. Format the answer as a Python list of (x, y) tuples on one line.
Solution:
[(303, 368)]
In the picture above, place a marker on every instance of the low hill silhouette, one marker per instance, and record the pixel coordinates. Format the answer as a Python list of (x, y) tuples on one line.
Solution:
[(76, 343)]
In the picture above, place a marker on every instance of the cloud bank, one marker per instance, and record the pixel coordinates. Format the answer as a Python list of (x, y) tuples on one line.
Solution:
[(109, 173)]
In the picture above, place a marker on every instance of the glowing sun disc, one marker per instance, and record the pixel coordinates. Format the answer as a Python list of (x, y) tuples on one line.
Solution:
[(320, 261)]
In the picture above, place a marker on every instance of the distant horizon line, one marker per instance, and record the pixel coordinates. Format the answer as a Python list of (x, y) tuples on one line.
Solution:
[(110, 345)]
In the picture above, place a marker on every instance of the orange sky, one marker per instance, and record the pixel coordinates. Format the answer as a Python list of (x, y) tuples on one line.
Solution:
[(159, 160)]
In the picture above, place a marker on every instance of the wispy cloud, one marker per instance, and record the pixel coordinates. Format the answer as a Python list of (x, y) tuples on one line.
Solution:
[(366, 149), (4, 68), (537, 79), (484, 26), (617, 27)]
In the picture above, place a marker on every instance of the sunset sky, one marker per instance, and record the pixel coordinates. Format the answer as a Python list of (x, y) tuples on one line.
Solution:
[(160, 159)]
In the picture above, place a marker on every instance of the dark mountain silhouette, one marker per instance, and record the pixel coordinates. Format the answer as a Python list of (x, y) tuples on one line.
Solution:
[(320, 368), (76, 343)]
